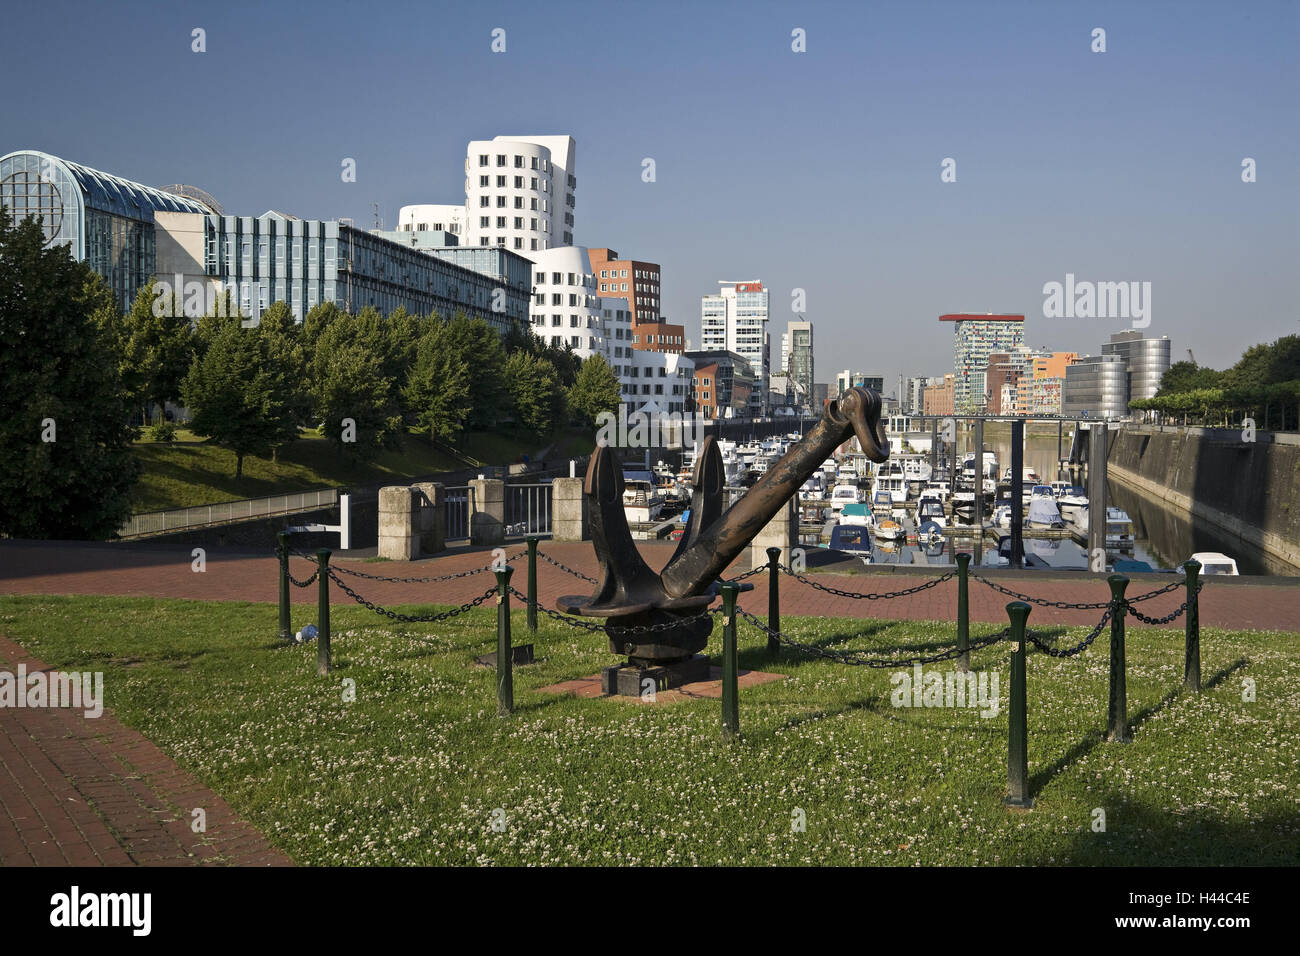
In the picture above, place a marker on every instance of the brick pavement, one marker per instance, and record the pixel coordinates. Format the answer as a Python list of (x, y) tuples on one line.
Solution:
[(79, 791), (45, 568)]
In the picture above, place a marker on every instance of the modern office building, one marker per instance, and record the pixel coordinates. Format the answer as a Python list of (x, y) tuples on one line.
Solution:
[(637, 284), (938, 396), (723, 383), (797, 358), (1045, 395), (821, 395), (306, 262), (1095, 386), (975, 337), (568, 310), (735, 320), (520, 192), (1146, 359), (848, 379), (105, 221), (433, 218)]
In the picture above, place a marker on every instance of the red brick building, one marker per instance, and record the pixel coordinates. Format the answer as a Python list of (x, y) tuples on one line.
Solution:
[(637, 283)]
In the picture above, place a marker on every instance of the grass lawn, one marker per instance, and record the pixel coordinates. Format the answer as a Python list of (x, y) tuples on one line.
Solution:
[(191, 472), (412, 771)]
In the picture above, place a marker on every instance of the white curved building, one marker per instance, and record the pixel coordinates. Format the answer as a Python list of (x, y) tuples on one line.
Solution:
[(568, 311), (519, 192), (432, 217)]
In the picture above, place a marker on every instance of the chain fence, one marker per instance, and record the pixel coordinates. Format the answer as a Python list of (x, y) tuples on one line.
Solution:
[(859, 596), (1066, 605), (410, 618)]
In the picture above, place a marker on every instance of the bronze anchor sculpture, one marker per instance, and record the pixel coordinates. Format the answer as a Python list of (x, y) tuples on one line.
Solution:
[(657, 620)]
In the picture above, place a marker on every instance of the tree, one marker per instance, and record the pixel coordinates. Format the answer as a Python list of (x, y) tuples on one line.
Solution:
[(285, 353), (352, 398), (237, 395), (1186, 376), (155, 345), (437, 391), (64, 413), (476, 346), (536, 399), (595, 390)]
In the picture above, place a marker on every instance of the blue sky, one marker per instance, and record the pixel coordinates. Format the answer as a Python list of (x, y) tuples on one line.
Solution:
[(817, 170)]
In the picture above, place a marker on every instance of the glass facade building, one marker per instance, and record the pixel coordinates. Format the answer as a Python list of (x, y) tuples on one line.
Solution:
[(105, 221), (975, 337), (307, 262), (1147, 361), (1096, 386)]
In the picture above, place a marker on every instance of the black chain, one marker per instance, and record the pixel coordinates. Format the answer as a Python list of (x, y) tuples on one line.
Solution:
[(1168, 618), (1077, 648), (1041, 602), (302, 584), (446, 577), (411, 618), (565, 568), (855, 658), (759, 569), (1096, 606), (870, 597)]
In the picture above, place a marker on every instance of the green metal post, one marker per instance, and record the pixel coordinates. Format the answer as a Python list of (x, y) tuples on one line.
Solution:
[(323, 613), (730, 688), (505, 653), (282, 548), (963, 612), (773, 597), (1118, 716), (531, 614), (1017, 724), (1192, 655)]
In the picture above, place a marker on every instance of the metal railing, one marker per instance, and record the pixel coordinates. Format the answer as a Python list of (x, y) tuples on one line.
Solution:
[(458, 504), (224, 512), (528, 509)]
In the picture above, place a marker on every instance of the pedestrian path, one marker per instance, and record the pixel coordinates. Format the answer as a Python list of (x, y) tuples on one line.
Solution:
[(90, 791)]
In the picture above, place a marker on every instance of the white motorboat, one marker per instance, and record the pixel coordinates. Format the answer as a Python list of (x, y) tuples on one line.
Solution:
[(844, 494), (888, 529), (1071, 502), (1119, 527), (857, 513), (929, 509), (1215, 562), (891, 477), (642, 501), (1043, 513)]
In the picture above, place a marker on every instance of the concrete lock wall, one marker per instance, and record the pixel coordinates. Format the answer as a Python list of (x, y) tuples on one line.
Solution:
[(569, 517), (487, 521), (1249, 489), (781, 532)]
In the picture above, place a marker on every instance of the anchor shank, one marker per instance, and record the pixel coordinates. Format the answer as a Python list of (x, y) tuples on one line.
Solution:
[(696, 567)]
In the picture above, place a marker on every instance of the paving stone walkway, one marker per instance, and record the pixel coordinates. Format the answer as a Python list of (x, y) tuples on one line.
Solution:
[(83, 791)]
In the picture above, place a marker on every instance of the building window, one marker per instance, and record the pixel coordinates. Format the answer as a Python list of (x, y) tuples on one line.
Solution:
[(501, 160), (482, 159)]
